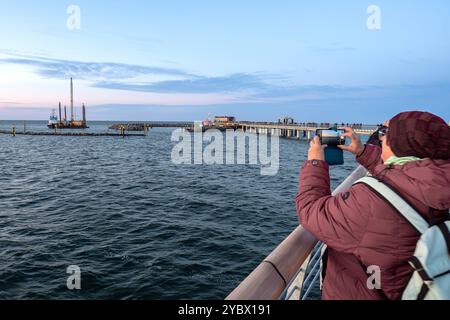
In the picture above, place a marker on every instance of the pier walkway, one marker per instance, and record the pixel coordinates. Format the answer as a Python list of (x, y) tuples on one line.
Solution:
[(292, 130), (296, 130), (71, 134), (141, 126)]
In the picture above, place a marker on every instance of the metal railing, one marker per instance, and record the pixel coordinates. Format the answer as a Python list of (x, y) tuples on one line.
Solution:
[(293, 268), (306, 277), (312, 271)]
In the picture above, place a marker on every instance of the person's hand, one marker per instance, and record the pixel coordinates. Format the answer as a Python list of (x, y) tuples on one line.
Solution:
[(356, 147), (317, 150)]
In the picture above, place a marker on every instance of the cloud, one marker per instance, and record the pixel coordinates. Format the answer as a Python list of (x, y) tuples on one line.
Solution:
[(253, 88), (247, 87), (256, 86), (238, 88), (92, 71), (119, 76), (232, 83)]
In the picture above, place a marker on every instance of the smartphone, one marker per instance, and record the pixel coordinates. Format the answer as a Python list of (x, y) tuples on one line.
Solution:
[(333, 138)]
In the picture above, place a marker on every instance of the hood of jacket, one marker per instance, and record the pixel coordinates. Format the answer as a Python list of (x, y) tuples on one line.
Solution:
[(427, 181)]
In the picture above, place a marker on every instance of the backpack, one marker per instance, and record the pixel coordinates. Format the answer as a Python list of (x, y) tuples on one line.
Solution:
[(431, 259)]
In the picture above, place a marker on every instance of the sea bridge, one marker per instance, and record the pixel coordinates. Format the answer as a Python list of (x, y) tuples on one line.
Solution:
[(143, 126), (299, 130), (291, 130), (285, 130)]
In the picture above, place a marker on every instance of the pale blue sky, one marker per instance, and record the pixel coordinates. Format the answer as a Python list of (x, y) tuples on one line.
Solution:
[(181, 60)]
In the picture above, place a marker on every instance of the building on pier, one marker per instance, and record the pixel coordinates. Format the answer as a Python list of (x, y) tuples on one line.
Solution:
[(224, 120)]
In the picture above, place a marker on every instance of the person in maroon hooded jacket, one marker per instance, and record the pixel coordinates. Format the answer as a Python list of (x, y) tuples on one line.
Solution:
[(361, 229)]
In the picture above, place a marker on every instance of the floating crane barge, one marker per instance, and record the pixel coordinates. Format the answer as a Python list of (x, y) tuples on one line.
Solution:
[(63, 123), (56, 123)]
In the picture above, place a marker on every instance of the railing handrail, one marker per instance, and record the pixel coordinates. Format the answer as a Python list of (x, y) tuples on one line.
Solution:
[(276, 272)]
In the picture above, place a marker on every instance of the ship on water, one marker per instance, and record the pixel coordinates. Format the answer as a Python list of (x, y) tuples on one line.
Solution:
[(62, 123), (53, 121)]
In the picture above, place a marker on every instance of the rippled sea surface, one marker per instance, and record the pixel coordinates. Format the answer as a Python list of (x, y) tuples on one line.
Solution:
[(138, 226)]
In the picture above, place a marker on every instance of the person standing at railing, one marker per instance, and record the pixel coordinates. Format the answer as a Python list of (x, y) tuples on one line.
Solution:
[(359, 227)]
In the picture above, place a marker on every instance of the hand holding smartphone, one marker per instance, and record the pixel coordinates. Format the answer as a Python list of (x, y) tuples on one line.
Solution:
[(332, 138)]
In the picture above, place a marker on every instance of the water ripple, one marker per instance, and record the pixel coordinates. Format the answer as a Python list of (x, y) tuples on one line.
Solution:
[(138, 226)]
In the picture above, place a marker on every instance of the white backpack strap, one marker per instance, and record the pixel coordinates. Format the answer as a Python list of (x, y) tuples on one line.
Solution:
[(397, 202)]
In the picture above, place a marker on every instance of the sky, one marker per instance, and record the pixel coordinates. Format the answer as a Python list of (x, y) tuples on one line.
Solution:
[(260, 60)]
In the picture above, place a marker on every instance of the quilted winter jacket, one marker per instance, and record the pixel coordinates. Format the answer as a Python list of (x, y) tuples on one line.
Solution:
[(362, 230)]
